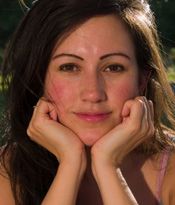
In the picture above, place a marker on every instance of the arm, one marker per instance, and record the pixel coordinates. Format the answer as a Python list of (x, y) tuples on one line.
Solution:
[(45, 130), (62, 191), (65, 186), (113, 187), (6, 196), (107, 153)]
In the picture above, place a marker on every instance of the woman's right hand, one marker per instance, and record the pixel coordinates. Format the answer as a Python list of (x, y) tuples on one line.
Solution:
[(45, 130)]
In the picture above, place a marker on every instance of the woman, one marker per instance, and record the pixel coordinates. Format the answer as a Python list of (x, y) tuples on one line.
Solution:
[(87, 93)]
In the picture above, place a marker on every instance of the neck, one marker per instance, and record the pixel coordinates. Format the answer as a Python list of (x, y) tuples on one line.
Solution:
[(88, 176), (89, 186)]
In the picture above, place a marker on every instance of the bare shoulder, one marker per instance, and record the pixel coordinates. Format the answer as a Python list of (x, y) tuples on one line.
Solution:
[(6, 196), (168, 188)]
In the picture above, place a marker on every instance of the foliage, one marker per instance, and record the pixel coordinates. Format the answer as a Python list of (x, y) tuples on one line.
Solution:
[(171, 74), (10, 13), (165, 15), (172, 55)]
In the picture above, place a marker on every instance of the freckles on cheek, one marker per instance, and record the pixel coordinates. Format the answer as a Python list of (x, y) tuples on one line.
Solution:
[(55, 91), (127, 91)]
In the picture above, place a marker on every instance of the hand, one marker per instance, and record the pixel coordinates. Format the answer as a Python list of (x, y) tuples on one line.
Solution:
[(137, 126), (45, 130)]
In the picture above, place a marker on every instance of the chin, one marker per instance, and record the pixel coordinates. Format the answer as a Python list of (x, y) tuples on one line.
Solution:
[(90, 136), (89, 140)]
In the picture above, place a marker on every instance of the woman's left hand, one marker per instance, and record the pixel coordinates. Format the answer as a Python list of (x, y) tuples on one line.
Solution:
[(137, 126)]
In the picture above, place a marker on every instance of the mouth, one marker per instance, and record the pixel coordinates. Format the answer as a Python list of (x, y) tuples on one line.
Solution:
[(93, 117)]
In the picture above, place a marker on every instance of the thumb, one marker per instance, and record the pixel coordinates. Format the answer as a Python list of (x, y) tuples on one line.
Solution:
[(126, 109)]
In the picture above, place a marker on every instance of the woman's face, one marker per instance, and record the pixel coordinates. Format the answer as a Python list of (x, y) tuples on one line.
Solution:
[(92, 73)]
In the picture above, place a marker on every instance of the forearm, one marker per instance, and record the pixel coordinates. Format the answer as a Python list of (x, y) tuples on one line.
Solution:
[(113, 187), (65, 186)]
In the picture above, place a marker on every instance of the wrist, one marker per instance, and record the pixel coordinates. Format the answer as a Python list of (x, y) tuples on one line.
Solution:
[(75, 161), (100, 159), (102, 165)]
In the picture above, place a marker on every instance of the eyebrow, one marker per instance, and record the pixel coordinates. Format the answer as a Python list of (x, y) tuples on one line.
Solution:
[(101, 58), (67, 54), (115, 54)]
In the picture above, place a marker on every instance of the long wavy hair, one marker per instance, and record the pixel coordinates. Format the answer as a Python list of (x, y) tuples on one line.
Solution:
[(31, 168)]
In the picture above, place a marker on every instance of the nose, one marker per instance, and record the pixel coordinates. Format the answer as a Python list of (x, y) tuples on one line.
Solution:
[(93, 88)]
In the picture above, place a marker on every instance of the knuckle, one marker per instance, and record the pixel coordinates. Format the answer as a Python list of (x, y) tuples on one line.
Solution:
[(140, 99), (32, 130), (140, 105), (28, 131), (146, 126), (151, 130), (36, 125)]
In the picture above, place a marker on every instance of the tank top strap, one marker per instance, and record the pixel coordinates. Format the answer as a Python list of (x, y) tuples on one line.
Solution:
[(163, 165)]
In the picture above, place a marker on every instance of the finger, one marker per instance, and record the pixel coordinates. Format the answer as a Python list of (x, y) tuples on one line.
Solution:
[(43, 109), (53, 115), (134, 109), (150, 118), (147, 115), (152, 128), (151, 109), (138, 110), (148, 110), (147, 123)]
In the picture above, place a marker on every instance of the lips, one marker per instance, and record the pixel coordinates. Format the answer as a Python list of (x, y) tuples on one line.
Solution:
[(93, 117)]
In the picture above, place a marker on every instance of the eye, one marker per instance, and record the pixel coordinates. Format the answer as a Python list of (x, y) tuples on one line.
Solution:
[(68, 67), (114, 68)]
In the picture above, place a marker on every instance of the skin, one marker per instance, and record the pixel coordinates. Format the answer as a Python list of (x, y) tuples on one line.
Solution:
[(93, 149)]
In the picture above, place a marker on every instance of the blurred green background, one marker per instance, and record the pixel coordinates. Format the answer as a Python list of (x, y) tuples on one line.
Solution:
[(11, 13)]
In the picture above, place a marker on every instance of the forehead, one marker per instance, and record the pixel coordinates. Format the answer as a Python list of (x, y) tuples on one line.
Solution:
[(98, 35)]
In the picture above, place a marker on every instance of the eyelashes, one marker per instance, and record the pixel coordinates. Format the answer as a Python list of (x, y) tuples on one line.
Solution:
[(72, 67), (68, 67), (114, 68)]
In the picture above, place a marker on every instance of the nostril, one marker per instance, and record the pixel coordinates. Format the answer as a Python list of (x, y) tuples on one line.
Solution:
[(93, 95)]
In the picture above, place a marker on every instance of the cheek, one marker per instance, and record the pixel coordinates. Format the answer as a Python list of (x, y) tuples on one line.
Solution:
[(124, 91), (128, 91), (58, 92), (121, 94)]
